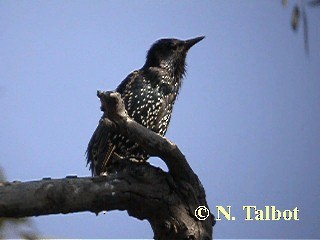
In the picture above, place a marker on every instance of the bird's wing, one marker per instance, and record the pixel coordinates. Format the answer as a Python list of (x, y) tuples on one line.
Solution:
[(99, 149)]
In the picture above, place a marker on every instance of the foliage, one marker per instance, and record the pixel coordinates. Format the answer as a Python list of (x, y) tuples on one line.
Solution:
[(299, 14)]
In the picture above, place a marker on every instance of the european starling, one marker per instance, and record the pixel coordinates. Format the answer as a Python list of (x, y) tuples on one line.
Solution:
[(148, 94)]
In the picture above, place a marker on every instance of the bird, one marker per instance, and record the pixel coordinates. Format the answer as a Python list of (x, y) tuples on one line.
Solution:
[(148, 95)]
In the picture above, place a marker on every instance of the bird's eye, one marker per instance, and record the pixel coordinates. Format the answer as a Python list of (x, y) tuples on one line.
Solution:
[(174, 47)]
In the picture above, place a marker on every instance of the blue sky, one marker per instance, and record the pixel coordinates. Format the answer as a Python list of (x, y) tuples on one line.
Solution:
[(247, 117)]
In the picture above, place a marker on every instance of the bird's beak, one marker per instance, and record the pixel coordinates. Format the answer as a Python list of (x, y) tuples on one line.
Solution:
[(190, 42)]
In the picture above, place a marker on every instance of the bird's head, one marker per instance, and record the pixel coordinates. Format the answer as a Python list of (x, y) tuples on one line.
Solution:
[(170, 54)]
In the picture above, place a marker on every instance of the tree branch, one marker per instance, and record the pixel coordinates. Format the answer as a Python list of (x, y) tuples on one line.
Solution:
[(167, 200), (52, 196)]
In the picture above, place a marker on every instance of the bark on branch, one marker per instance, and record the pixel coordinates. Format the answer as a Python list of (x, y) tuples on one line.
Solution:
[(167, 200)]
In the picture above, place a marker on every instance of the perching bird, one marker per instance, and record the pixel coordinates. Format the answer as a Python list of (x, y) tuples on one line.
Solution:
[(149, 95)]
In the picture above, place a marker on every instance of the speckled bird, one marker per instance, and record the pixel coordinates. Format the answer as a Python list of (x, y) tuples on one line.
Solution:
[(149, 95)]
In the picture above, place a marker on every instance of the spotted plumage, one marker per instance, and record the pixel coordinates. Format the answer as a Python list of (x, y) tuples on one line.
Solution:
[(149, 95)]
